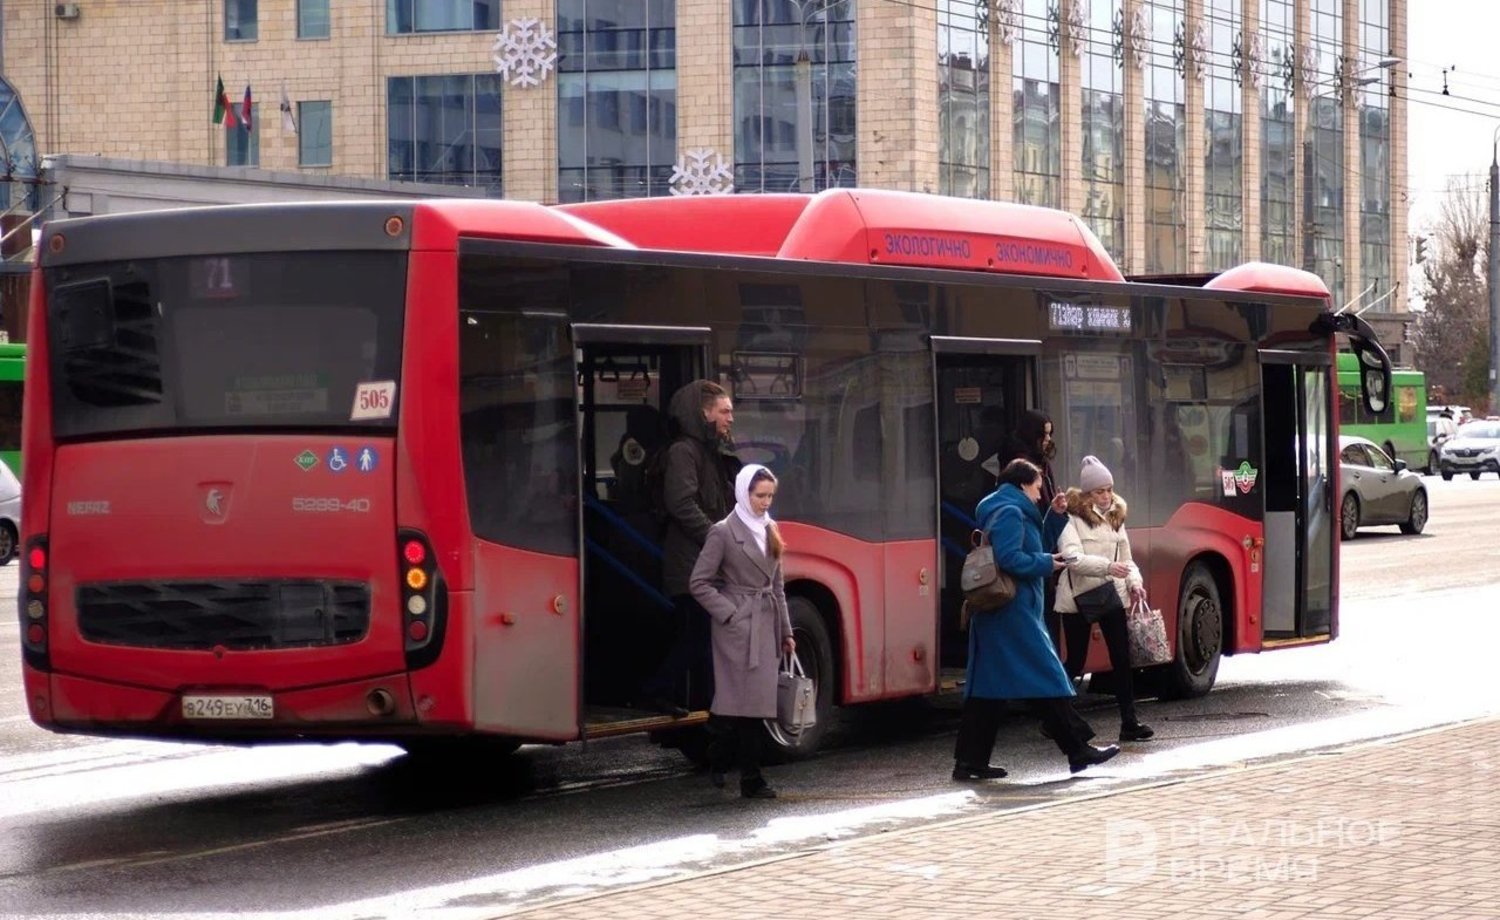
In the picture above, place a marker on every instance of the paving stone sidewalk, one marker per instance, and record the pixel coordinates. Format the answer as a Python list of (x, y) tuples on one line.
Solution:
[(1407, 828)]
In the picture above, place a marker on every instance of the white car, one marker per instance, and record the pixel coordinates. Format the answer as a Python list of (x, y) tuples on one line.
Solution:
[(1474, 450), (10, 513)]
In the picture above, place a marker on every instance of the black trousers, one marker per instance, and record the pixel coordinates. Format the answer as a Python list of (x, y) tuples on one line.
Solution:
[(980, 723), (1117, 640), (686, 675), (736, 741)]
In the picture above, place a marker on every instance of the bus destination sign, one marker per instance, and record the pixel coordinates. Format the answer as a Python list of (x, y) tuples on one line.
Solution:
[(1086, 317)]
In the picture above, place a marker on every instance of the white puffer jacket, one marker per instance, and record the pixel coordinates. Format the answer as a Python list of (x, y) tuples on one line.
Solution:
[(1098, 539)]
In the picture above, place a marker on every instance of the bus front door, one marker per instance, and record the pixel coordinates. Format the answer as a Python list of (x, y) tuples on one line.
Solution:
[(1297, 400), (626, 376), (982, 387)]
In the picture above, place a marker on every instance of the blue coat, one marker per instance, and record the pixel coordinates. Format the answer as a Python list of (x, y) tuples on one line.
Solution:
[(1011, 655)]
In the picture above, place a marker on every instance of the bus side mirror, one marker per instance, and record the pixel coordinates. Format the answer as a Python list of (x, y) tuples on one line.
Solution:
[(1374, 388)]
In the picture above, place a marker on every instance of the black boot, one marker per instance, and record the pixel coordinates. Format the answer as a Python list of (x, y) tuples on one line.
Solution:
[(1091, 756)]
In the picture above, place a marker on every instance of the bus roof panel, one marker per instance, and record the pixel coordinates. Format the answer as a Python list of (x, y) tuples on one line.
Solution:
[(437, 224), (752, 225), (879, 227), (1267, 278)]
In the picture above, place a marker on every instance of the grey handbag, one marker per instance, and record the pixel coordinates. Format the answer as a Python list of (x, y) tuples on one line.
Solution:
[(984, 585), (796, 697)]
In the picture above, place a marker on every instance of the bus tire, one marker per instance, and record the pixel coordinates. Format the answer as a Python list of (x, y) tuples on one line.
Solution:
[(8, 541), (1200, 636), (815, 653)]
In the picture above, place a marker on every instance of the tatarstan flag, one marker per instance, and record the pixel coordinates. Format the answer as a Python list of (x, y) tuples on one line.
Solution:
[(222, 108)]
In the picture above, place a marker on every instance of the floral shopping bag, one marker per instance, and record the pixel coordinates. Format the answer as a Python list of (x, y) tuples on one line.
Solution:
[(1148, 635)]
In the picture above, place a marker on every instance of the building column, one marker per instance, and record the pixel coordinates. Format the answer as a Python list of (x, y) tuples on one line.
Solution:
[(1194, 166), (1002, 113), (1250, 139), (1070, 110), (705, 77), (1354, 280), (1135, 144), (898, 134), (1400, 209), (529, 119)]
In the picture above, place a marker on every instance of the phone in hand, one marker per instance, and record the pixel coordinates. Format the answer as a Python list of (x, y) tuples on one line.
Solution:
[(1068, 558)]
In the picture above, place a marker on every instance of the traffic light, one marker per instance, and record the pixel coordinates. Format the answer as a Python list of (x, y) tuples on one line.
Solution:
[(1421, 249)]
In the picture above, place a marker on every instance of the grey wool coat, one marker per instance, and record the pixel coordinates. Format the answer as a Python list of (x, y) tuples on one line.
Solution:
[(742, 590)]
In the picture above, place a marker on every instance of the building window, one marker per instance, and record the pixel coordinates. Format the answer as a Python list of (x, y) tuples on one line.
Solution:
[(616, 98), (315, 133), (1278, 172), (1166, 139), (406, 16), (241, 23), (1325, 130), (1037, 114), (241, 146), (1104, 128), (1223, 114), (445, 129), (963, 99), (312, 18), (1375, 155), (768, 37)]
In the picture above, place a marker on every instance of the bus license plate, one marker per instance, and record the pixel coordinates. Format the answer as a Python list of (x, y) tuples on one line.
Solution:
[(227, 707)]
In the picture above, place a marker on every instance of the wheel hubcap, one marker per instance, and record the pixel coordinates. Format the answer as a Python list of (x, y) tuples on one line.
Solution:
[(1419, 511), (1351, 516), (1205, 632)]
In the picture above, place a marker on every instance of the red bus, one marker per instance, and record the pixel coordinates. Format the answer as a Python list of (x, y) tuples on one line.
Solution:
[(374, 470)]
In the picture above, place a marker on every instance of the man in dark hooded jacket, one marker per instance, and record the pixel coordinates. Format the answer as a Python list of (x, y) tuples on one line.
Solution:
[(698, 492)]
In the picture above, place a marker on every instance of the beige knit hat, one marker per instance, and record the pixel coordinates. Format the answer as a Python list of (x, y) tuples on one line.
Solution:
[(1094, 475)]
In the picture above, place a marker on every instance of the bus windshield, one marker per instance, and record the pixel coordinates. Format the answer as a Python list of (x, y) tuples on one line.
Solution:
[(267, 340)]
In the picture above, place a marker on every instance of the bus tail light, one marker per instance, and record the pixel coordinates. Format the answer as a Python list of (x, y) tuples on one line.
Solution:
[(33, 597), (424, 599)]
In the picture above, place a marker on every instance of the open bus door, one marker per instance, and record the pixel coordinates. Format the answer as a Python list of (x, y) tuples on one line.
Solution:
[(1300, 451), (625, 376), (982, 386)]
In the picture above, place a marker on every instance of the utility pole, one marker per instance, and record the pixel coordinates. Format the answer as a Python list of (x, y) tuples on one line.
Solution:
[(1494, 278)]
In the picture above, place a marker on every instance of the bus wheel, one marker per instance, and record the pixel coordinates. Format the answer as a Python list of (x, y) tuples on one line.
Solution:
[(1200, 636), (815, 654), (1349, 516), (7, 542)]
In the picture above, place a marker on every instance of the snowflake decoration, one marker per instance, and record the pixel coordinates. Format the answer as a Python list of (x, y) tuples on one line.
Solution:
[(701, 172), (1198, 41), (1140, 34), (1309, 65), (1008, 20), (1255, 58), (525, 52), (1076, 25)]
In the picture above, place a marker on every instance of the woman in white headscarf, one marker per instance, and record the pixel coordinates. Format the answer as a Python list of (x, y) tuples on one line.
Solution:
[(738, 581)]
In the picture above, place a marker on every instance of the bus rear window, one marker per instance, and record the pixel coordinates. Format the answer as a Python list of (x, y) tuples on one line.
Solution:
[(273, 340)]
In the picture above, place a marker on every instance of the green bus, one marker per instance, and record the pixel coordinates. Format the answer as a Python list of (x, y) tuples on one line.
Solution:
[(12, 384), (1401, 430)]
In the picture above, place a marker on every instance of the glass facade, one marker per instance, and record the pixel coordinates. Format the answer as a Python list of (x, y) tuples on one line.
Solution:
[(1278, 145), (445, 129), (1104, 127), (1037, 115), (405, 16), (1166, 138), (1223, 115), (616, 98), (1375, 153), (769, 36), (312, 18), (241, 23), (18, 145), (1325, 131), (963, 98)]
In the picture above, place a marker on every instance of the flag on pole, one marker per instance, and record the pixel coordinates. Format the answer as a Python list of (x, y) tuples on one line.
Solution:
[(288, 123), (222, 109), (245, 109)]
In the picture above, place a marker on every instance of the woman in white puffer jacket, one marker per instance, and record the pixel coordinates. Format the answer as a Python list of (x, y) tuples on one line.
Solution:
[(1095, 534)]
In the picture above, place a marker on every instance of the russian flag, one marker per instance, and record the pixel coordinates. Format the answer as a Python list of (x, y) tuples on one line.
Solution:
[(245, 109)]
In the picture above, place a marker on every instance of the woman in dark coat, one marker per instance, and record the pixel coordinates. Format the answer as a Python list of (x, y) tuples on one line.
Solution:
[(1033, 441), (1010, 654), (738, 581)]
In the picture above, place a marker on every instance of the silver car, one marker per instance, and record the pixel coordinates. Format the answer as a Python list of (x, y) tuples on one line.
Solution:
[(1377, 489), (10, 513), (1474, 450)]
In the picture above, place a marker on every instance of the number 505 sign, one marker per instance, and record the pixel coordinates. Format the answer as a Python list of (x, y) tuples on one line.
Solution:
[(374, 399)]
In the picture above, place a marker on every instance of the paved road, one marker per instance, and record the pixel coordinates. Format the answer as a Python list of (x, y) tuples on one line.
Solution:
[(123, 828)]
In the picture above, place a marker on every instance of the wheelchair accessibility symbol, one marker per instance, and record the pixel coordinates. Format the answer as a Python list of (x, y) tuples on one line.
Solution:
[(338, 460)]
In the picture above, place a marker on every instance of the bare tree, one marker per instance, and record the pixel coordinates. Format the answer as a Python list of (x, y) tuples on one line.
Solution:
[(1451, 338)]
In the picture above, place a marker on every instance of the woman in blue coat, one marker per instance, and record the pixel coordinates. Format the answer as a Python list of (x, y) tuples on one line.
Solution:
[(1011, 656)]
